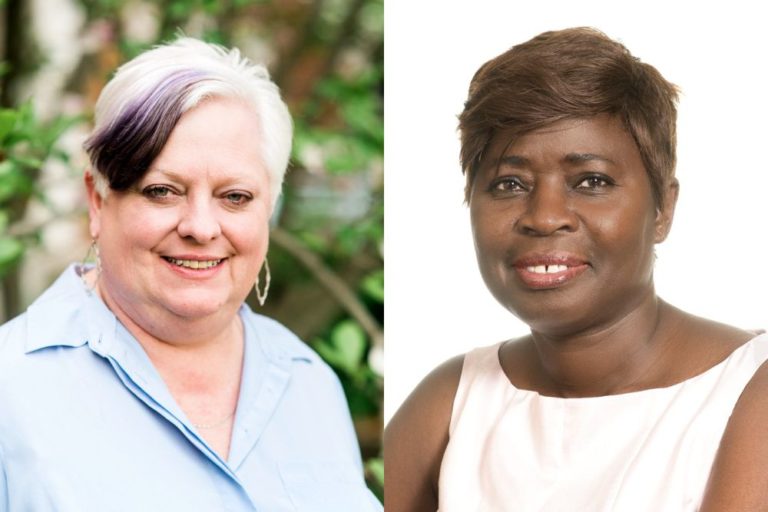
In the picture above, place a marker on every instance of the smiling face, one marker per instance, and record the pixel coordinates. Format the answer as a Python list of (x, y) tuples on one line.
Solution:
[(187, 240), (565, 224)]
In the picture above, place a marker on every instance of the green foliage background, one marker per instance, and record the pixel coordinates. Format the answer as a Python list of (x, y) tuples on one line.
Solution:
[(327, 240)]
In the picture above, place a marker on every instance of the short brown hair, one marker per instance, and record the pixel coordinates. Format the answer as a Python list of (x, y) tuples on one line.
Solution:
[(572, 73)]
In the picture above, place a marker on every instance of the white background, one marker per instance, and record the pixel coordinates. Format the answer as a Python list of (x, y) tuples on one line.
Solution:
[(714, 262)]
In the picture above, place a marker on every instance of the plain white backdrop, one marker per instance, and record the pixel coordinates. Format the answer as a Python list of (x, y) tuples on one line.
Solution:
[(714, 262)]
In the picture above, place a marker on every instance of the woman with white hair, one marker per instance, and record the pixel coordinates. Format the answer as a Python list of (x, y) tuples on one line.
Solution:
[(144, 382)]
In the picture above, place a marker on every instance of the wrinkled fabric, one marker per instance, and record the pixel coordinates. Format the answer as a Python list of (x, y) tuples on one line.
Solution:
[(87, 423)]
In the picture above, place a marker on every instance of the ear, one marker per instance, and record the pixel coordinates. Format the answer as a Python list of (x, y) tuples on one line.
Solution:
[(95, 204), (666, 211)]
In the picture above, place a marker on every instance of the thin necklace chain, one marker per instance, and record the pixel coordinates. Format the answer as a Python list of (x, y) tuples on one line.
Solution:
[(204, 426)]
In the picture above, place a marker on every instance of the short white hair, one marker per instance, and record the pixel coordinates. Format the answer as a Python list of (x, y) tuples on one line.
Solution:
[(141, 104)]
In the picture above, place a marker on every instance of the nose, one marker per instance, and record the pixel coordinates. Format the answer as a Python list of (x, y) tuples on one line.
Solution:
[(547, 211), (199, 222)]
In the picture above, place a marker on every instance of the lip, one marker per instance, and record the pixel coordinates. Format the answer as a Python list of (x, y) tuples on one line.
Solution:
[(188, 272), (575, 266)]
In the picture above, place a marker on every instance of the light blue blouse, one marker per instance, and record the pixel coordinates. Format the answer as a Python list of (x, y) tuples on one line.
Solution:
[(87, 424)]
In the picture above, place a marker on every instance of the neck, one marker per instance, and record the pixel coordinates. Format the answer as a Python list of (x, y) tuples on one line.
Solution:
[(623, 356), (200, 361), (205, 351), (188, 334)]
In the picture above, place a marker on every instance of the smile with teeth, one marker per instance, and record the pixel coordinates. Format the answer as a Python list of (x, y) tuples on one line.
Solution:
[(547, 269), (193, 264)]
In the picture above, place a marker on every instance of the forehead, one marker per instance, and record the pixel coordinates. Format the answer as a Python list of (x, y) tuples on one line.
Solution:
[(221, 120), (603, 136), (220, 135)]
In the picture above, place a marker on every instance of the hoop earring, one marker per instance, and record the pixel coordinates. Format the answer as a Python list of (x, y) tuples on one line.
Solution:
[(262, 296), (93, 253)]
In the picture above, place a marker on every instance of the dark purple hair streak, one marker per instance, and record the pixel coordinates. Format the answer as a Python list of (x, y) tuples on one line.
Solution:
[(123, 150), (140, 106)]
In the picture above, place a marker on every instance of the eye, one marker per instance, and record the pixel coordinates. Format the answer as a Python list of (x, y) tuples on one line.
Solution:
[(595, 181), (506, 184), (237, 198), (157, 192)]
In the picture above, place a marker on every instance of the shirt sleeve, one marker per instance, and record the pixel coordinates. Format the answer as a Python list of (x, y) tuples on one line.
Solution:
[(4, 506), (376, 505)]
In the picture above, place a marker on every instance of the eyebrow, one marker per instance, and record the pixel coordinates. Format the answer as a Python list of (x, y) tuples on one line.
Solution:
[(571, 158), (180, 177), (580, 158), (514, 160), (170, 174)]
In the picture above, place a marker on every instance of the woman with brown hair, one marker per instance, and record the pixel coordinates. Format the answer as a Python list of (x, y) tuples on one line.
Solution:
[(616, 400)]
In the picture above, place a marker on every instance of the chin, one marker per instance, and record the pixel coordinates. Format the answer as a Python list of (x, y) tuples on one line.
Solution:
[(553, 315), (196, 305), (556, 326)]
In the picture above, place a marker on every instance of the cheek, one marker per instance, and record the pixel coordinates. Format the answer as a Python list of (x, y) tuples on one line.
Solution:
[(628, 236), (247, 234), (490, 226), (483, 236), (145, 228), (492, 233), (130, 232)]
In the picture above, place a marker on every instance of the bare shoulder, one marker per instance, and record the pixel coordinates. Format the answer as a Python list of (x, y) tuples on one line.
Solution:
[(415, 440), (704, 330), (703, 343), (739, 478)]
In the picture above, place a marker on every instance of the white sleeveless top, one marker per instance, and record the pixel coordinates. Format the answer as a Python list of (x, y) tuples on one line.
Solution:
[(515, 450)]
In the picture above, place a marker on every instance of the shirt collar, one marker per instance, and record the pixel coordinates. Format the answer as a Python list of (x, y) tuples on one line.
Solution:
[(276, 342), (67, 314)]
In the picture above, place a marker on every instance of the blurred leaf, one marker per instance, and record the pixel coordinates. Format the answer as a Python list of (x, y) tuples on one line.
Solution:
[(346, 347), (363, 393), (6, 168), (349, 339), (327, 352), (374, 476), (180, 9), (7, 121), (212, 6), (3, 221), (314, 241), (27, 161), (373, 285), (9, 180), (375, 468), (215, 36), (10, 250)]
